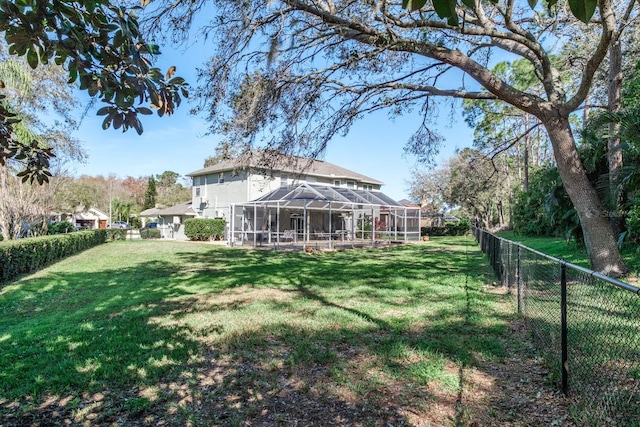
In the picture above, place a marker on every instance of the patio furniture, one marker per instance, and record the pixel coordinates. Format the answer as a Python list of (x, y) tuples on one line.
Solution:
[(289, 235)]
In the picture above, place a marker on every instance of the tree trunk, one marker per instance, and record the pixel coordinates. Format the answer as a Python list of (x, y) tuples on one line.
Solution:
[(526, 154), (604, 254), (614, 154), (4, 223)]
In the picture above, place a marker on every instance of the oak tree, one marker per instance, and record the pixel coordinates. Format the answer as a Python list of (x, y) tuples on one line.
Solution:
[(292, 74)]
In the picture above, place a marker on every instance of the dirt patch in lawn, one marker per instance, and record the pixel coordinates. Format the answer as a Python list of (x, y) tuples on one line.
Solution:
[(518, 391)]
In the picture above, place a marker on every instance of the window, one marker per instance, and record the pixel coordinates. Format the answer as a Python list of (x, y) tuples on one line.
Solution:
[(337, 183), (284, 180), (367, 187), (197, 191), (351, 184), (221, 178)]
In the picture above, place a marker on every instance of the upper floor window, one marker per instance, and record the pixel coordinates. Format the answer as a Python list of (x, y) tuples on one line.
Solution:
[(337, 183), (351, 184), (221, 178), (367, 187), (197, 191), (284, 180)]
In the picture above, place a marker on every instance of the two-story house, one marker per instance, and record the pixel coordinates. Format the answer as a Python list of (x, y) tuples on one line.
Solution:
[(217, 187), (267, 199)]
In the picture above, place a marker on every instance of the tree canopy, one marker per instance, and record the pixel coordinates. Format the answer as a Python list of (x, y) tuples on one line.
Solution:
[(102, 48), (292, 74)]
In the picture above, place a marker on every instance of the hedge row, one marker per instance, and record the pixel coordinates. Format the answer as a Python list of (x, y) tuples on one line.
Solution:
[(450, 229), (27, 255), (204, 229)]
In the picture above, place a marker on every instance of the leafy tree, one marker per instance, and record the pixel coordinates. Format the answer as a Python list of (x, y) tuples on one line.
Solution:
[(224, 151), (167, 178), (292, 74), (135, 188), (101, 46), (122, 209), (150, 194), (31, 94), (531, 212), (476, 184), (169, 191), (618, 187), (429, 187)]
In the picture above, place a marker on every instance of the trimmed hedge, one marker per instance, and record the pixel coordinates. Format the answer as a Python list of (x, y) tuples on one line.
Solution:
[(60, 228), (27, 255), (450, 229), (204, 229)]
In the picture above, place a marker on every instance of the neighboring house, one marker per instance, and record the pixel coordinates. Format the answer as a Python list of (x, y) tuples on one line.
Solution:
[(273, 199), (170, 220), (91, 218)]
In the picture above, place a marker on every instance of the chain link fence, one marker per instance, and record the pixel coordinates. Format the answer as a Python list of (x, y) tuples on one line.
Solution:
[(586, 326)]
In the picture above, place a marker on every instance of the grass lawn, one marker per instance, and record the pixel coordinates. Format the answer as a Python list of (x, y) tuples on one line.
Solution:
[(175, 333), (554, 246), (572, 252)]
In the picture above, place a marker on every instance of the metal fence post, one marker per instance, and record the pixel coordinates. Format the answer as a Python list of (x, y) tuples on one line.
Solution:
[(563, 326)]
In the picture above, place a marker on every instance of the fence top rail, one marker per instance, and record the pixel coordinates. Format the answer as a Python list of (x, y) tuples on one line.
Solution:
[(604, 277)]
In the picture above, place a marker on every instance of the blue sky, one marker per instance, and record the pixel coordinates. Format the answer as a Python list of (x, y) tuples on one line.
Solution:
[(374, 147)]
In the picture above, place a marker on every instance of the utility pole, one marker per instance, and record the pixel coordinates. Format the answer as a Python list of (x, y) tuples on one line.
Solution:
[(110, 200)]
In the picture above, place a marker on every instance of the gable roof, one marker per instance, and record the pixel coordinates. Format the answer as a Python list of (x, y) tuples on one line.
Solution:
[(269, 163), (89, 214), (176, 210)]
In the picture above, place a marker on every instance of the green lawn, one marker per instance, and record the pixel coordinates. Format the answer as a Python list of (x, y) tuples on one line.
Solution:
[(554, 246), (150, 332)]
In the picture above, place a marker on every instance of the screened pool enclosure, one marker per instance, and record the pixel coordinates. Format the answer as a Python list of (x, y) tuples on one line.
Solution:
[(318, 216)]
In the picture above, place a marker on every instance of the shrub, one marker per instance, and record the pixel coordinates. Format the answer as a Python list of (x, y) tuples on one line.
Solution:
[(27, 255), (204, 229), (450, 229), (149, 233), (60, 228), (116, 234), (546, 210)]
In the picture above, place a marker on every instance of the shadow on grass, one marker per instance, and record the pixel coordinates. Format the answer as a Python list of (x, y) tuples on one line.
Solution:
[(229, 336)]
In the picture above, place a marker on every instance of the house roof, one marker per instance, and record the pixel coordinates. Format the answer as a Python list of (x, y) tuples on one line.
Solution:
[(90, 214), (324, 197), (405, 202), (150, 212), (289, 164), (176, 210)]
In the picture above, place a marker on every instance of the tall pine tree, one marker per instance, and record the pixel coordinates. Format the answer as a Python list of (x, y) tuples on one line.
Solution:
[(150, 194)]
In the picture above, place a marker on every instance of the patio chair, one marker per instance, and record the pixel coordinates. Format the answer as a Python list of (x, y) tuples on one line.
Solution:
[(288, 235)]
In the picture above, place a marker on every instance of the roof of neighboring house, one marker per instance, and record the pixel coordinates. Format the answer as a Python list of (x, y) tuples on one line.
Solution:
[(90, 214), (176, 210), (289, 164), (150, 212), (405, 202)]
